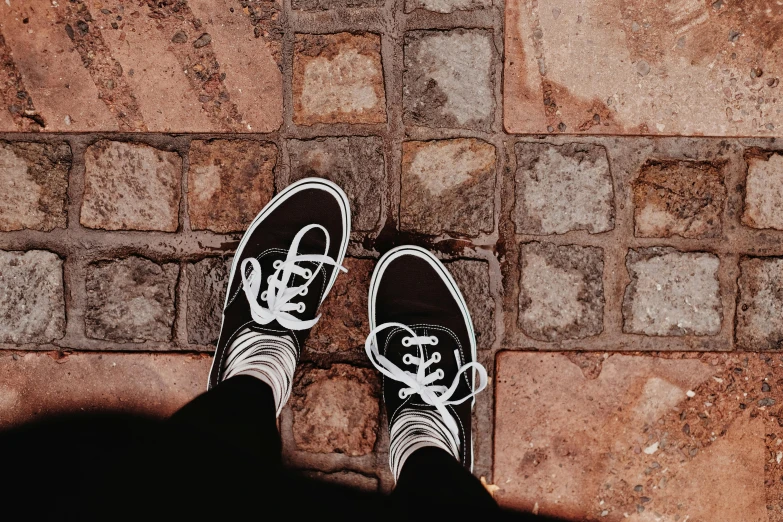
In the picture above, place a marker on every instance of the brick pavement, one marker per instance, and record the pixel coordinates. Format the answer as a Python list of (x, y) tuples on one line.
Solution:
[(615, 219)]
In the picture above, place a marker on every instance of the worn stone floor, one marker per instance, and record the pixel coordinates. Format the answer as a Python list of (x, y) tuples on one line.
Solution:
[(603, 178)]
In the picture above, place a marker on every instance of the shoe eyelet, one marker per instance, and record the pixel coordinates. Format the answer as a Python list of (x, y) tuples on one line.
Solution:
[(277, 264), (407, 358), (303, 291), (307, 273), (300, 307), (264, 295), (402, 394), (441, 374), (433, 340), (406, 341), (436, 357), (269, 280)]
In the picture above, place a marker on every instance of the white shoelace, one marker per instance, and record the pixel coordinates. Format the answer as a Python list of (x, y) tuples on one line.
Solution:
[(278, 295), (422, 384)]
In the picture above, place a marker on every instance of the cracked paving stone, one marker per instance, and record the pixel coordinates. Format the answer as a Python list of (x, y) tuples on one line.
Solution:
[(764, 190), (684, 198), (759, 323), (207, 282)]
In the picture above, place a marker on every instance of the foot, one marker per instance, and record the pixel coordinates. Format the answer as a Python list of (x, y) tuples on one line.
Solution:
[(284, 267), (422, 341)]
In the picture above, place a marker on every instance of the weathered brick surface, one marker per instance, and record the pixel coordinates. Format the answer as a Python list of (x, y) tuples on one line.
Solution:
[(336, 410), (563, 188), (32, 300), (130, 300), (107, 66), (344, 324), (561, 291), (346, 478), (641, 438), (448, 79), (34, 180), (684, 198), (338, 78), (447, 6), (759, 324), (130, 186), (701, 68), (36, 384), (354, 163), (672, 293), (764, 190), (229, 182), (472, 277), (207, 285), (448, 186), (323, 5)]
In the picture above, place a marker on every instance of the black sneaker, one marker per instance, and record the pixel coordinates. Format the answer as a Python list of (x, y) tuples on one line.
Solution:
[(422, 341), (284, 267)]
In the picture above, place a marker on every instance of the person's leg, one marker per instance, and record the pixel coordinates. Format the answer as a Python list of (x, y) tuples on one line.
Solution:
[(239, 412), (432, 480)]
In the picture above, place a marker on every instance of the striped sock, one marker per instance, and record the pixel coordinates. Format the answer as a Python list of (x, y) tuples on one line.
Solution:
[(415, 429), (270, 358)]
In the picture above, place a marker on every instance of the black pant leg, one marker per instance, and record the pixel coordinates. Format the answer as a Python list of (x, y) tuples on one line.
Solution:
[(239, 413), (432, 484)]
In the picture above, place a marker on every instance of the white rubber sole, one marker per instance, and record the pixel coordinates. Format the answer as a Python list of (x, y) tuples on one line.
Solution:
[(447, 278), (303, 184)]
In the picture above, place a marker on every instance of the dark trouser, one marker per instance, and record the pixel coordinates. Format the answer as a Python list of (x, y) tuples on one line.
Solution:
[(218, 457)]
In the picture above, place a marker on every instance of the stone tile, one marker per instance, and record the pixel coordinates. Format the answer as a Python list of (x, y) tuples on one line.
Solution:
[(207, 284), (344, 324), (672, 293), (561, 291), (130, 300), (102, 65), (32, 384), (336, 410), (683, 198), (764, 190), (32, 300), (229, 182), (448, 79), (447, 6), (759, 324), (64, 96), (130, 186), (338, 78), (560, 188), (684, 68), (247, 47), (448, 186), (34, 181), (355, 163), (323, 5), (349, 479), (472, 277), (644, 439)]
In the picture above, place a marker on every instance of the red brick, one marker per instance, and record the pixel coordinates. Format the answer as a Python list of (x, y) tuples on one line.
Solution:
[(37, 384), (640, 438), (338, 78), (336, 410), (229, 182)]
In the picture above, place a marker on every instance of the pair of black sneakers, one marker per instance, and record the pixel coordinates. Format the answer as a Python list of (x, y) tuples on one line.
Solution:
[(421, 340)]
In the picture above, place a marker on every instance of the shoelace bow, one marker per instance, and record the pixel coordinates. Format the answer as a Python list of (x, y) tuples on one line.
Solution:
[(278, 294), (419, 382)]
